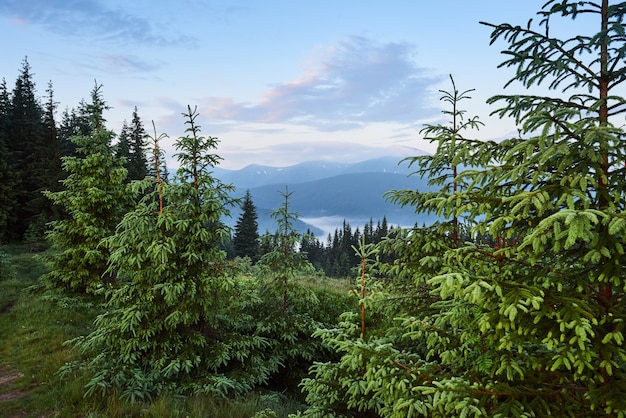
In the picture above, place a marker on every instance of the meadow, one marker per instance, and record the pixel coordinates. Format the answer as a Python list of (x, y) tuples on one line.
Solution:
[(33, 329)]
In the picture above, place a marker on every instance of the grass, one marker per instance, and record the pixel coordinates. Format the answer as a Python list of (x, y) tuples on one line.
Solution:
[(33, 328), (320, 282), (32, 331)]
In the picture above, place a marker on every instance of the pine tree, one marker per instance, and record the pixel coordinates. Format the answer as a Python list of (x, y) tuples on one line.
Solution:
[(137, 160), (46, 174), (74, 122), (94, 199), (531, 325), (25, 136), (8, 185), (284, 261), (288, 312), (246, 238), (122, 146), (179, 323)]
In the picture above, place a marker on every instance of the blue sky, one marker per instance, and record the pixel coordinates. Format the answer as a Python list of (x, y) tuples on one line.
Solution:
[(277, 81)]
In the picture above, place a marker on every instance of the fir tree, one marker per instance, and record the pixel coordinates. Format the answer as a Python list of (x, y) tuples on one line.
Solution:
[(246, 238), (74, 122), (283, 261), (8, 185), (531, 325), (122, 147), (25, 136), (94, 199), (131, 145), (180, 323), (137, 160), (46, 174), (287, 311)]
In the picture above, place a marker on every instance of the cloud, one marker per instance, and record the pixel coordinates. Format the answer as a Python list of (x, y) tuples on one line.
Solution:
[(115, 64), (284, 154), (356, 82), (87, 18)]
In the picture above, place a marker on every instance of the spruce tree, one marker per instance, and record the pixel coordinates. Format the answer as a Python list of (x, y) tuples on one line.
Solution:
[(179, 322), (74, 122), (122, 146), (529, 322), (284, 261), (246, 238), (8, 185), (94, 199), (137, 160), (131, 145), (25, 136), (46, 173), (289, 311)]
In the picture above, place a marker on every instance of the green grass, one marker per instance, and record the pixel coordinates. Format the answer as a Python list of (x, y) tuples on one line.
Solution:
[(319, 282), (33, 328), (32, 332)]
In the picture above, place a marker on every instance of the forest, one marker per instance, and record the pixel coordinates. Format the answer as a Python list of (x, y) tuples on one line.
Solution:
[(512, 305)]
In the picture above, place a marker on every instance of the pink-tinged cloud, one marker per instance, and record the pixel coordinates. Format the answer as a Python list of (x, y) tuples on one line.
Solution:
[(358, 81)]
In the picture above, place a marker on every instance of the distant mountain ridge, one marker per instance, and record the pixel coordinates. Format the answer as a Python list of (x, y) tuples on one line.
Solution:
[(255, 175), (326, 193)]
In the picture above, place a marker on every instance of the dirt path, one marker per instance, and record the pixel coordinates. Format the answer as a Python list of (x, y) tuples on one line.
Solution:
[(8, 376)]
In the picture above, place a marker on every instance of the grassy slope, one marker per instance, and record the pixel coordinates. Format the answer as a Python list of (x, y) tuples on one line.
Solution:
[(32, 332), (33, 329)]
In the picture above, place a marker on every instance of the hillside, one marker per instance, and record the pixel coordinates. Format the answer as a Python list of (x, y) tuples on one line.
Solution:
[(255, 175), (324, 194)]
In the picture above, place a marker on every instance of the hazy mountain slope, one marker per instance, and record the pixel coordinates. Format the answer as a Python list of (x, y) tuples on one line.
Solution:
[(355, 197), (258, 175), (324, 194)]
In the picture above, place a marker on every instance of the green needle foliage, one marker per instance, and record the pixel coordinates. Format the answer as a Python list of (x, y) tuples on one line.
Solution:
[(289, 311), (525, 315), (284, 263), (246, 238), (94, 198), (175, 325)]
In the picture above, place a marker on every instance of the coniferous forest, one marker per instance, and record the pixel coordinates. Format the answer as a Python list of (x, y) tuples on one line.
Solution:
[(512, 305)]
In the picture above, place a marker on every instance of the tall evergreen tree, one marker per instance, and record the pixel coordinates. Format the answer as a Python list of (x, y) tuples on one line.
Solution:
[(313, 249), (137, 160), (284, 261), (8, 185), (26, 145), (52, 145), (46, 172), (176, 324), (122, 147), (131, 145), (94, 198), (246, 238), (532, 325), (74, 122), (287, 310)]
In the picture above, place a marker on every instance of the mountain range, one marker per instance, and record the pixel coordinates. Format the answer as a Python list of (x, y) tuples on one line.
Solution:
[(324, 194)]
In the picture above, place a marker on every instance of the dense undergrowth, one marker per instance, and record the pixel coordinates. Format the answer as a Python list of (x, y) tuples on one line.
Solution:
[(34, 326)]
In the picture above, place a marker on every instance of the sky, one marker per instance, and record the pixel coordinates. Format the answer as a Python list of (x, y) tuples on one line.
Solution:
[(278, 82)]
